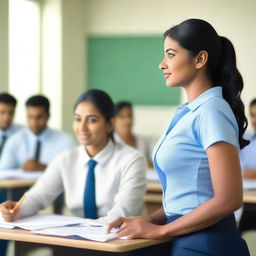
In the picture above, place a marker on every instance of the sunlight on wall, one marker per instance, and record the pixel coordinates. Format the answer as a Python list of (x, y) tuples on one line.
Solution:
[(24, 51)]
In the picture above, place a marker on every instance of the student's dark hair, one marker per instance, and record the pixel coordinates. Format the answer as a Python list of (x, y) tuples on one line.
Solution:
[(122, 104), (101, 100), (253, 102), (7, 99), (196, 35), (39, 101)]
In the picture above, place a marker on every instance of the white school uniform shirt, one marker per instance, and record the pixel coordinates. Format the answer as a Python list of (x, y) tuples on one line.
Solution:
[(120, 182)]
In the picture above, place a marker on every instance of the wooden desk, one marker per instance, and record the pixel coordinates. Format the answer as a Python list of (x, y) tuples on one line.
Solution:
[(249, 196), (16, 183), (115, 246), (153, 197)]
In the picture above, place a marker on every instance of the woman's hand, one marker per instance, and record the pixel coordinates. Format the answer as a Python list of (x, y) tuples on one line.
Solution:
[(136, 227), (7, 212)]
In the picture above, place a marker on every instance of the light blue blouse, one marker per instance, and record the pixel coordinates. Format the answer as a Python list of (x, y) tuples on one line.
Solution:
[(180, 156)]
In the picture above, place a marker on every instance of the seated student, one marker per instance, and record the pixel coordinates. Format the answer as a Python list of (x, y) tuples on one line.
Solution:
[(7, 111), (248, 166), (123, 130), (33, 148), (100, 178)]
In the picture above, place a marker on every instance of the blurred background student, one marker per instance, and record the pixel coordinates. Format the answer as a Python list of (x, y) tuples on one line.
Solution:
[(123, 130), (7, 111), (34, 147), (248, 166)]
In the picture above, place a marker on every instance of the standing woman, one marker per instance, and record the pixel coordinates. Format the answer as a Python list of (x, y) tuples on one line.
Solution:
[(100, 179), (197, 158)]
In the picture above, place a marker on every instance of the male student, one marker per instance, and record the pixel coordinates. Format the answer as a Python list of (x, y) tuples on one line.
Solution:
[(248, 166), (34, 147), (7, 111)]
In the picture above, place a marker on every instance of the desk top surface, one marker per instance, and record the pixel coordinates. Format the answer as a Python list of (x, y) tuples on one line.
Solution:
[(16, 183), (111, 246)]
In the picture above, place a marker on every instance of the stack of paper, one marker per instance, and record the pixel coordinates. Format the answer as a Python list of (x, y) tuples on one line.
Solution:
[(40, 222), (80, 232), (64, 226)]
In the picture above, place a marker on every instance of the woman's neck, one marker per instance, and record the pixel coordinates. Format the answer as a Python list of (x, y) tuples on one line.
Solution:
[(93, 150), (197, 87)]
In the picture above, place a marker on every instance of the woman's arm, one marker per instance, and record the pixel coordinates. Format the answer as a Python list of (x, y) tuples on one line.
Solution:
[(158, 217), (46, 189), (227, 188)]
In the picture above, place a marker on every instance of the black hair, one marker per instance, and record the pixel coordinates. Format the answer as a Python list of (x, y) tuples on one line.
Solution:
[(196, 35), (122, 104), (101, 100), (253, 102), (39, 101), (7, 99)]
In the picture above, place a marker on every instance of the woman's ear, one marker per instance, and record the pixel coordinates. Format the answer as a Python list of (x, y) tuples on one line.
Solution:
[(201, 59), (111, 124)]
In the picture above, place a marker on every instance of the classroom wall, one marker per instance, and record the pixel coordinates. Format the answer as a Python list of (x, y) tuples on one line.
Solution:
[(4, 64), (63, 52), (232, 18)]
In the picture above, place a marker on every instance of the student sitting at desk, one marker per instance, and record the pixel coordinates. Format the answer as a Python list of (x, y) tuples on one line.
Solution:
[(123, 130), (101, 178), (248, 166), (7, 111), (33, 148)]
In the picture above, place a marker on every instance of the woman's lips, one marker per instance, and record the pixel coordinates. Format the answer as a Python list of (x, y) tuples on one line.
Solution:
[(166, 75)]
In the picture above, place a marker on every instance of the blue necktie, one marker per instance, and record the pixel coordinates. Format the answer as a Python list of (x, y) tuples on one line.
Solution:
[(90, 209), (4, 137), (177, 117)]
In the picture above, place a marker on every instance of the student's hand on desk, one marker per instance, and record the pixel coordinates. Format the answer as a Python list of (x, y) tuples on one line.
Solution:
[(33, 165), (136, 227), (7, 213)]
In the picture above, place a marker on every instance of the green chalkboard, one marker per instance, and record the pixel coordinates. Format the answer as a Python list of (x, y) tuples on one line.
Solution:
[(127, 68)]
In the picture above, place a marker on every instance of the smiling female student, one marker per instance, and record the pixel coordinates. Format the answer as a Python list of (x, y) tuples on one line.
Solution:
[(101, 179), (197, 158)]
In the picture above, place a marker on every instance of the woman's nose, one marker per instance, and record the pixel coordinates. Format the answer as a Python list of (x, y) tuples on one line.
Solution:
[(162, 65)]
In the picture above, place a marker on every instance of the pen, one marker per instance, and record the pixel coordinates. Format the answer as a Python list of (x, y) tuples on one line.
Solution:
[(15, 207)]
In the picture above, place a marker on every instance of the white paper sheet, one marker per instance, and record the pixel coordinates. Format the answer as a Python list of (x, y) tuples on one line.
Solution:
[(43, 221), (249, 184), (90, 233)]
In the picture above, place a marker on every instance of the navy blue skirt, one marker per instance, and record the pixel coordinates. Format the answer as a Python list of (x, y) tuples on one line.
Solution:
[(220, 239)]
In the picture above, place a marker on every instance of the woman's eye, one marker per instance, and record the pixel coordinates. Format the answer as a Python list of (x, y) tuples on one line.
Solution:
[(171, 55), (77, 119), (92, 120)]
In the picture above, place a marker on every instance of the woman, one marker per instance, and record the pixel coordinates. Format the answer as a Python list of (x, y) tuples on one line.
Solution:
[(123, 130), (101, 179), (197, 159)]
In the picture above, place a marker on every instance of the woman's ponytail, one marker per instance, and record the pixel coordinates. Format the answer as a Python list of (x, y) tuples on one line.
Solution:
[(228, 76)]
